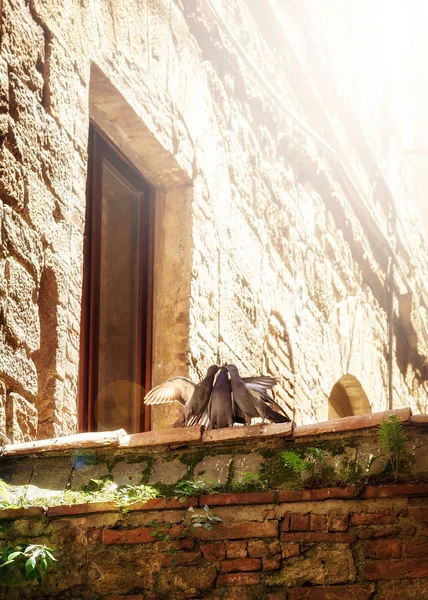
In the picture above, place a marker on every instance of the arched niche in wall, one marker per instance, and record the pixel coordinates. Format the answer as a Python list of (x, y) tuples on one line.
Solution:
[(348, 398)]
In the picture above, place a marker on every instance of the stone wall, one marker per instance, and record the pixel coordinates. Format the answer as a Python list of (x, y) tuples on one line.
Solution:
[(260, 238), (264, 549), (366, 540)]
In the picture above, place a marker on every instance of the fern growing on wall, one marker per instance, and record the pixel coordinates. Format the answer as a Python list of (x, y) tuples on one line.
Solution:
[(393, 441)]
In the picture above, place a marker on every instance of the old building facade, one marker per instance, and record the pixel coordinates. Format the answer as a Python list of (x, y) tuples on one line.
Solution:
[(271, 232)]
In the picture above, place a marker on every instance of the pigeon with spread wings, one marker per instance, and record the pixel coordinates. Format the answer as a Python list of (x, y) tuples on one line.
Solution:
[(193, 396), (200, 400)]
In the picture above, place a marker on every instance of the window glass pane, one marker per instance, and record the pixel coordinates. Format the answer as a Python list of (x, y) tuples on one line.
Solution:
[(118, 308)]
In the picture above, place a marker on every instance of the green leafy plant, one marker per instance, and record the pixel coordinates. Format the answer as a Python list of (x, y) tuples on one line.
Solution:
[(4, 490), (128, 494), (203, 519), (295, 462), (351, 471), (393, 441), (250, 482), (189, 488), (161, 532), (7, 501), (97, 490), (316, 454), (25, 563)]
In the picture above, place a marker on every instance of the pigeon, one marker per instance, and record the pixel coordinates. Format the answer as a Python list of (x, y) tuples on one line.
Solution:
[(252, 400), (194, 397), (214, 406), (220, 413)]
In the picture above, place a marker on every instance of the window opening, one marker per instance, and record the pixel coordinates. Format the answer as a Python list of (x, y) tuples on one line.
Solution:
[(115, 345)]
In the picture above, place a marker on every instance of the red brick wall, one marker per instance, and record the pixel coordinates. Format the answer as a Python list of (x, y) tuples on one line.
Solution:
[(340, 544)]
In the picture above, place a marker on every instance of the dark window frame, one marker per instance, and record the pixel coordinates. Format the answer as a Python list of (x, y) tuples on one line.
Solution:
[(101, 147)]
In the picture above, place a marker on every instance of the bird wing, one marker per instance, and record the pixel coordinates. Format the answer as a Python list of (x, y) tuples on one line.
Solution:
[(265, 382), (263, 396), (176, 389)]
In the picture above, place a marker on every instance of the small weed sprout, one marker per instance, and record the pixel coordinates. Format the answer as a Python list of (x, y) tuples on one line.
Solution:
[(311, 467), (188, 488), (295, 462), (250, 482), (203, 519)]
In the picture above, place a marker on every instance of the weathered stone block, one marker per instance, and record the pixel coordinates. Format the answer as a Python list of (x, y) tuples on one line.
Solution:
[(245, 466), (299, 522), (416, 548), (338, 522), (23, 43), (63, 81), (398, 590), (51, 475), (41, 208), (213, 552), (237, 531), (182, 578), (321, 565), (337, 592), (124, 473), (17, 475), (377, 518), (213, 469), (412, 568), (389, 548), (318, 522), (22, 241), (57, 163), (21, 417), (258, 549), (50, 405), (12, 178), (84, 471), (136, 570), (21, 315), (27, 125), (240, 564), (167, 472), (4, 86), (292, 549), (236, 549), (2, 409)]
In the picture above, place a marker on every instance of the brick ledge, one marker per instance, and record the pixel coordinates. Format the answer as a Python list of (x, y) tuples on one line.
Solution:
[(233, 499), (192, 435)]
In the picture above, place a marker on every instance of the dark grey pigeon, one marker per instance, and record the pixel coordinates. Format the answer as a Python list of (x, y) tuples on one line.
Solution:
[(193, 397), (201, 395), (252, 401), (220, 404)]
